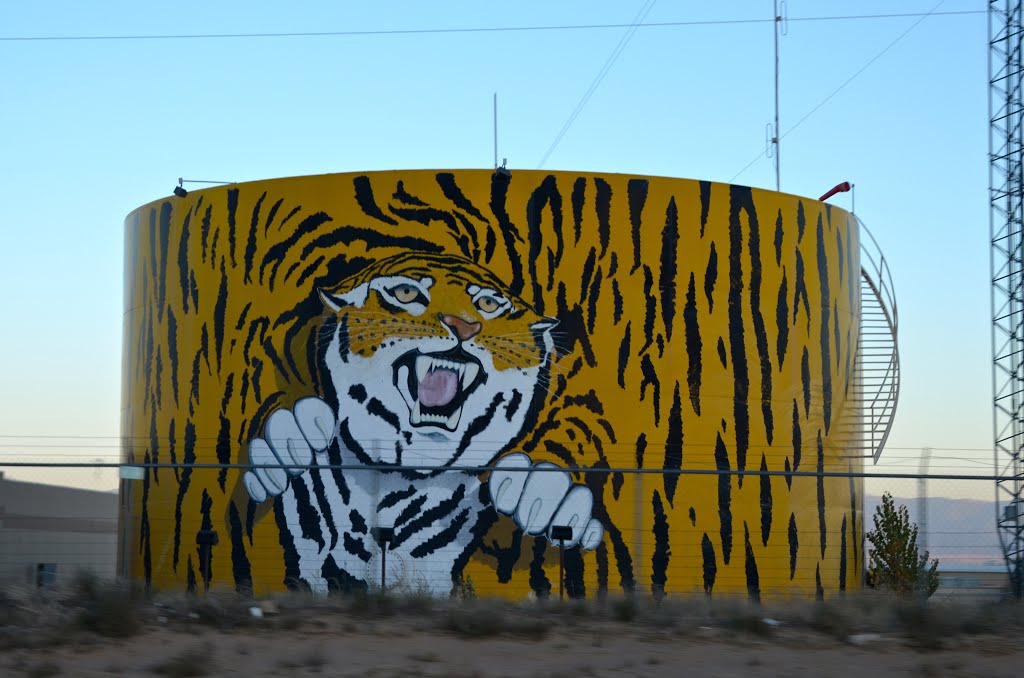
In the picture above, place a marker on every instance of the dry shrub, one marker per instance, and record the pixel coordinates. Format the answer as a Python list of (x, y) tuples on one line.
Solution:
[(194, 661)]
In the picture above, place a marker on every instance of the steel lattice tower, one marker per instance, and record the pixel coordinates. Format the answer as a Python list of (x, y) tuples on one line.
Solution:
[(1006, 220)]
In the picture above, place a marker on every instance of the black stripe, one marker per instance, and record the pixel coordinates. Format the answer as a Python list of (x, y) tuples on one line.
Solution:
[(641, 447), (340, 581), (364, 198), (800, 291), (694, 346), (410, 510), (819, 592), (154, 438), (579, 196), (430, 516), (232, 209), (309, 517), (478, 426), (710, 563), (291, 555), (223, 450), (624, 355), (778, 239), (794, 545), (513, 405), (616, 303), (145, 544), (357, 522), (724, 497), (183, 267), (760, 333), (588, 272), (575, 586), (451, 190), (801, 221), (668, 272), (782, 320), (171, 441), (320, 492), (741, 200), (750, 568), (165, 245), (538, 578), (250, 245), (805, 379), (623, 559), (219, 312), (789, 474), (442, 538), (277, 253), (205, 564), (842, 555), (710, 277), (722, 357), (186, 479), (509, 232), (334, 457), (205, 230), (240, 567), (273, 213), (662, 553), (194, 289), (355, 547), (595, 291), (821, 495), (838, 349), (401, 195), (651, 309), (840, 256), (603, 205), (673, 446), (637, 192), (705, 204), (601, 556), (826, 356), (650, 377), (377, 409), (392, 498), (766, 502)]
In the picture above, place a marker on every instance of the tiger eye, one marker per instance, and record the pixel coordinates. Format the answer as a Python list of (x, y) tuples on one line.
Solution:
[(405, 293), (487, 304)]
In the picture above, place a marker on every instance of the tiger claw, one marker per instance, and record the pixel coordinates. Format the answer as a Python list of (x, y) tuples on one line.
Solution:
[(542, 496), (291, 438)]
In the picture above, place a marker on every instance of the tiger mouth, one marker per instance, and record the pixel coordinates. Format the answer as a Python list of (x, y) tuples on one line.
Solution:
[(435, 386)]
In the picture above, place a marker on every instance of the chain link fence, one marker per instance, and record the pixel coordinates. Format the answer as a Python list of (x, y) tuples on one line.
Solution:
[(57, 518)]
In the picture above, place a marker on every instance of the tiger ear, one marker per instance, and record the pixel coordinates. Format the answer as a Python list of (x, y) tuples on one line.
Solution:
[(544, 324), (354, 297)]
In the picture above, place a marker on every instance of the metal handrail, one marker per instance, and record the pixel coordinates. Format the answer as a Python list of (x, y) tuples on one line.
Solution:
[(881, 409)]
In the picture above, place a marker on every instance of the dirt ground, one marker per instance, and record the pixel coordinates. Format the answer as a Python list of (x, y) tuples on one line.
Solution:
[(222, 637)]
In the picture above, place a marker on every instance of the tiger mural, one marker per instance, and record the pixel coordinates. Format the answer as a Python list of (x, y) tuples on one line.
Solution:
[(469, 359)]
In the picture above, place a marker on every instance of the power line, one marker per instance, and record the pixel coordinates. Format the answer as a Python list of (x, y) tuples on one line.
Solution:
[(836, 91), (596, 82), (473, 29)]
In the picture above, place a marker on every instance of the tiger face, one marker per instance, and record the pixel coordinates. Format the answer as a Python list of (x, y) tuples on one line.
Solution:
[(433, 361)]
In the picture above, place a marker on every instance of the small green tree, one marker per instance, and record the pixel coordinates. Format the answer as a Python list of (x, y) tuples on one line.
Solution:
[(894, 560)]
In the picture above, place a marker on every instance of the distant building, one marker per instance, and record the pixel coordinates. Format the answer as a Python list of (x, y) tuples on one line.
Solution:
[(48, 532)]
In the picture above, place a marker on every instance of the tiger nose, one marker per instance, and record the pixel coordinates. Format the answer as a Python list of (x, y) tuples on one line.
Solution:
[(463, 330)]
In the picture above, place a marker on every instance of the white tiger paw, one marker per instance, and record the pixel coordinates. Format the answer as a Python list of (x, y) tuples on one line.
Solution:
[(540, 496), (291, 438)]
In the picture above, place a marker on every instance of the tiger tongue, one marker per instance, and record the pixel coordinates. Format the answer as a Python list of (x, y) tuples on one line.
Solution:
[(438, 388)]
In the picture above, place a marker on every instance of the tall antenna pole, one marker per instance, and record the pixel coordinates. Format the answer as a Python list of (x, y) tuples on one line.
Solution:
[(495, 130), (775, 137)]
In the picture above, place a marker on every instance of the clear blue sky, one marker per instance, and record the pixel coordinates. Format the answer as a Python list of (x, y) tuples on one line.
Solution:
[(89, 130)]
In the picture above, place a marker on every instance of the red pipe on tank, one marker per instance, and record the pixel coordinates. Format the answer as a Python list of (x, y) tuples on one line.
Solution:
[(838, 188)]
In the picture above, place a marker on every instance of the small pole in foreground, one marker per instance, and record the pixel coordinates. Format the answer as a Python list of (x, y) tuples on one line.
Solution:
[(383, 536), (561, 533)]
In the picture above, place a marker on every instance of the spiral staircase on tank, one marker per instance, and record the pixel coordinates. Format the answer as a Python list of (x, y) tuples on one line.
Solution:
[(877, 372)]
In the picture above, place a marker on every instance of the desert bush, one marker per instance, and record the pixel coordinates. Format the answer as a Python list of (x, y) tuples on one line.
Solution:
[(111, 609), (195, 661), (895, 562)]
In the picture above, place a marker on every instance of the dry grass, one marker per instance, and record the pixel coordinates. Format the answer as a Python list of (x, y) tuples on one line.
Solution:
[(31, 618)]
